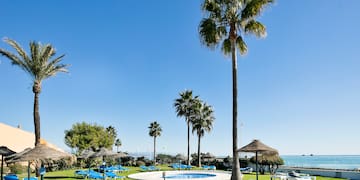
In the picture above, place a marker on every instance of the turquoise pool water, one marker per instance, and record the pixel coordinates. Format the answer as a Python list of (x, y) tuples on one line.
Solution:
[(189, 176)]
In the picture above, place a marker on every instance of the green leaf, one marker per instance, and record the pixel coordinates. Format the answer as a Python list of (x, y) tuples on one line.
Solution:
[(256, 28), (226, 47), (254, 8), (241, 45)]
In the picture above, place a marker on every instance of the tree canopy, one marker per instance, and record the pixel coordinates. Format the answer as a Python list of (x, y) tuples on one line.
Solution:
[(89, 136)]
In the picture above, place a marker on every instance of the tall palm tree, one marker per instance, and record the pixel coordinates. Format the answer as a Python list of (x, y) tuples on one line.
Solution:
[(203, 122), (184, 108), (226, 22), (155, 131), (118, 144), (40, 65)]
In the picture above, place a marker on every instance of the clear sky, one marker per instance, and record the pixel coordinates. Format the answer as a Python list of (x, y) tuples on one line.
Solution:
[(299, 89)]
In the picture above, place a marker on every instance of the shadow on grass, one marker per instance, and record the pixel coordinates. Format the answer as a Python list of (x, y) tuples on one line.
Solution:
[(62, 177)]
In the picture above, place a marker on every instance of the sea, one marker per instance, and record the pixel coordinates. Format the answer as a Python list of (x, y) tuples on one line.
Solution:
[(348, 162)]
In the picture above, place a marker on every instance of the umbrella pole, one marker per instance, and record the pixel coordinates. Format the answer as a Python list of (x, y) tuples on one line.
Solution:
[(2, 166), (256, 159), (28, 170)]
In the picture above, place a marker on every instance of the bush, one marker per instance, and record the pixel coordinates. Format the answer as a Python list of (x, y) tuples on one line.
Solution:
[(140, 163), (17, 168), (6, 169)]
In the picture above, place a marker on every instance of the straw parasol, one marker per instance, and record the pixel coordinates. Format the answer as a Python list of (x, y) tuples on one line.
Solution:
[(208, 157), (86, 154), (4, 151), (120, 155), (180, 157), (258, 147), (40, 152), (102, 153)]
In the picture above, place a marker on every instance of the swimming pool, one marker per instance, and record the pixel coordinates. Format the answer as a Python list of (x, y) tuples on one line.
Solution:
[(189, 176), (177, 175)]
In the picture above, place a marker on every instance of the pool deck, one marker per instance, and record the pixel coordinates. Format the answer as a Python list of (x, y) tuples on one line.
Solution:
[(158, 175)]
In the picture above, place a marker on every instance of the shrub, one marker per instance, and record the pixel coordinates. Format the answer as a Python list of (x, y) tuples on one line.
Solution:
[(17, 168), (140, 163)]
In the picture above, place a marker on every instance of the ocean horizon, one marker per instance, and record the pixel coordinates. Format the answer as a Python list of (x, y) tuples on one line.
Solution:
[(347, 162)]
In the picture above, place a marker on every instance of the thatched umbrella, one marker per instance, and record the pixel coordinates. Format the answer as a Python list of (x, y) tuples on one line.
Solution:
[(180, 157), (4, 151), (208, 157), (120, 155), (40, 152), (258, 147), (86, 154), (102, 153)]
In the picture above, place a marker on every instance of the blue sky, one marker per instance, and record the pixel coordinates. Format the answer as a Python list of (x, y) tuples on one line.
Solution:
[(298, 88)]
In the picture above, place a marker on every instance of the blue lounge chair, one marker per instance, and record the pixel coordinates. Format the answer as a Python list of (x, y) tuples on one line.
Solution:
[(121, 168), (144, 168), (212, 167), (113, 175), (246, 170), (82, 173), (153, 168), (31, 178), (11, 177), (175, 166), (95, 175), (206, 167)]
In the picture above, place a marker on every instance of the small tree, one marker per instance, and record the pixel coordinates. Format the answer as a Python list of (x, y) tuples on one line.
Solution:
[(89, 136)]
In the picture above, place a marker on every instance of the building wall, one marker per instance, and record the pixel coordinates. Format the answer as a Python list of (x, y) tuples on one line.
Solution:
[(15, 138)]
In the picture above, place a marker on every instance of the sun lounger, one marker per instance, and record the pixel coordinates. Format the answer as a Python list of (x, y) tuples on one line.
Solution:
[(121, 168), (82, 173), (292, 176), (31, 178), (113, 175), (246, 170), (11, 177), (95, 175), (144, 168), (212, 167), (280, 176), (206, 167), (153, 168)]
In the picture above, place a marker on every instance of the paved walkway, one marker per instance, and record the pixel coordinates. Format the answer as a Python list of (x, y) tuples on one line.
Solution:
[(220, 175)]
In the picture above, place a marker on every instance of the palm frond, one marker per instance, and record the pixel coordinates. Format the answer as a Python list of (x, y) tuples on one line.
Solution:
[(212, 7), (209, 34), (253, 8), (226, 47), (38, 65), (256, 28), (18, 49), (15, 60), (241, 45), (46, 53)]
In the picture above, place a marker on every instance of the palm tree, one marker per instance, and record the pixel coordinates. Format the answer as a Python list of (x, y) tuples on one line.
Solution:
[(226, 22), (154, 131), (40, 65), (202, 123), (184, 108), (118, 144)]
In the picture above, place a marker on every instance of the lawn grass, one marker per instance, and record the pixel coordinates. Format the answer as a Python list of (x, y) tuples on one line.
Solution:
[(69, 174)]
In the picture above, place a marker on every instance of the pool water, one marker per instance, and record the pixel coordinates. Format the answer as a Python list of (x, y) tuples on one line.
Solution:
[(189, 176)]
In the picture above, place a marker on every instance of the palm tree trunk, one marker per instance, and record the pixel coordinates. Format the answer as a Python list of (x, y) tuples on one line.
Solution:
[(199, 158), (236, 174), (36, 118), (188, 138), (154, 150)]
